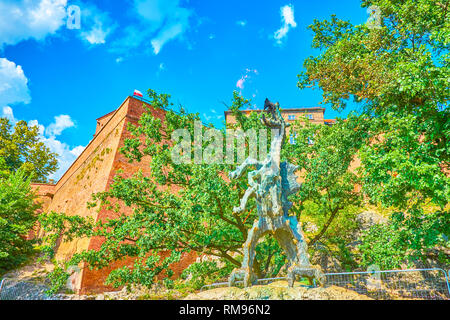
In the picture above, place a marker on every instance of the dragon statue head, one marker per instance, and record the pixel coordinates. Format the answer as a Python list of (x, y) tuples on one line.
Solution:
[(275, 120)]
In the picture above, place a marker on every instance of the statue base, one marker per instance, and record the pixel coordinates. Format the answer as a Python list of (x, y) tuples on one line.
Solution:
[(295, 272)]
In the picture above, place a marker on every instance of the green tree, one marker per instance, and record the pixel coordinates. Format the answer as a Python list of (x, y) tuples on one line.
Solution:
[(21, 148), (407, 236), (23, 158), (17, 217), (398, 72), (329, 194), (182, 208)]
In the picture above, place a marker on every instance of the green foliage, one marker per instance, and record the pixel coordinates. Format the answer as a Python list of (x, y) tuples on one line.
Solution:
[(337, 236), (58, 279), (405, 239), (23, 158), (243, 121), (199, 274), (17, 217), (399, 74), (401, 65), (402, 166), (53, 225), (325, 155), (270, 257), (20, 148)]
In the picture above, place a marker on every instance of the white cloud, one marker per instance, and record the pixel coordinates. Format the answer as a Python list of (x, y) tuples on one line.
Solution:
[(166, 35), (8, 113), (287, 19), (161, 68), (66, 154), (245, 77), (61, 123), (96, 35), (13, 88), (158, 22), (96, 25), (214, 116), (173, 20), (218, 116), (132, 37), (240, 82), (207, 118), (35, 123), (37, 19), (241, 23), (77, 150), (21, 20), (13, 84)]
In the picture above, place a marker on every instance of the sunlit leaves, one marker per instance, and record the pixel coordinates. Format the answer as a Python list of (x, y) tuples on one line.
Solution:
[(17, 218), (20, 148)]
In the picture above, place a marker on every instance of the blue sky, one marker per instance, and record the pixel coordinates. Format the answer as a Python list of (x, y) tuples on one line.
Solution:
[(199, 51)]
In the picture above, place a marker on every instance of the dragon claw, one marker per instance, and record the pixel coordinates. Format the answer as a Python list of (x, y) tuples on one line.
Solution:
[(242, 274), (310, 272)]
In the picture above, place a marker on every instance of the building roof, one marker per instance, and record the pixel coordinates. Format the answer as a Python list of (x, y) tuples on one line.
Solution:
[(108, 114)]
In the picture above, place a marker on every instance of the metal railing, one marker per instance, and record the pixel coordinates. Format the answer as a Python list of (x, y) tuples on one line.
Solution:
[(1, 285), (424, 284)]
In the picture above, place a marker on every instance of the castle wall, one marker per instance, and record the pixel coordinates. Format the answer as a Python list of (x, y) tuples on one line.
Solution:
[(102, 121), (93, 280), (44, 194), (88, 174), (93, 171)]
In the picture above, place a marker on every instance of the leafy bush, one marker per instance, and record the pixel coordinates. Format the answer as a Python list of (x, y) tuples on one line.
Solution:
[(397, 74), (199, 274), (405, 239), (58, 279), (17, 217), (338, 235), (21, 148)]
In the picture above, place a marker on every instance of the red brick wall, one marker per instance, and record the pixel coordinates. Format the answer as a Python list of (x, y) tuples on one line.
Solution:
[(93, 280)]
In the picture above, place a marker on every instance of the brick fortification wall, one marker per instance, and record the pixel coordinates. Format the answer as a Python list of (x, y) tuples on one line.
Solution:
[(93, 172)]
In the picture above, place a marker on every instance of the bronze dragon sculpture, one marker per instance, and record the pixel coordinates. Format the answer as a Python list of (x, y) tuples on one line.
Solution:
[(271, 184)]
